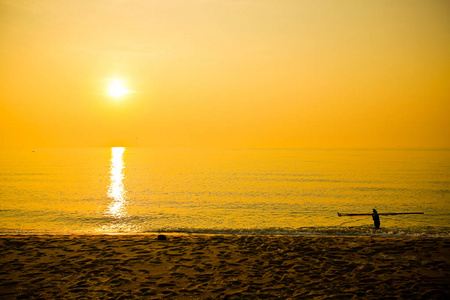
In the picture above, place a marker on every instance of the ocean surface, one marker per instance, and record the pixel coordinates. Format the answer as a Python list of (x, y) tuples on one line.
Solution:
[(241, 191)]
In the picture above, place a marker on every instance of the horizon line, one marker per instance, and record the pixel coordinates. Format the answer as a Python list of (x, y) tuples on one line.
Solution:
[(239, 148)]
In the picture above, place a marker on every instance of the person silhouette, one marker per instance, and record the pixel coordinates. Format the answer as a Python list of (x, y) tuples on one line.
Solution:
[(376, 219)]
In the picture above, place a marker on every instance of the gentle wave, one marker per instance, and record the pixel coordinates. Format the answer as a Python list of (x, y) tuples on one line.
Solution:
[(329, 231)]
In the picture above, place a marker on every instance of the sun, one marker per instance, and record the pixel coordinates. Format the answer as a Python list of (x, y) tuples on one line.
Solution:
[(117, 89)]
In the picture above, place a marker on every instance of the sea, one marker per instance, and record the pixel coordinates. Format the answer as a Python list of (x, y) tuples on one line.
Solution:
[(122, 190)]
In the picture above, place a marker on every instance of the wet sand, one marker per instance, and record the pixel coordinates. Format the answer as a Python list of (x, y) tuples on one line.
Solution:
[(223, 267)]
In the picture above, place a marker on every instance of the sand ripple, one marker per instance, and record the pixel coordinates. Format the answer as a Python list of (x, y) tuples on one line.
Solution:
[(223, 267)]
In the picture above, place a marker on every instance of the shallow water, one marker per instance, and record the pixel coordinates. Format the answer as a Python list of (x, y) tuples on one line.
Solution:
[(133, 190)]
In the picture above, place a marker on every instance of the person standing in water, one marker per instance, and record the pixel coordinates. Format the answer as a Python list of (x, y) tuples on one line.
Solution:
[(376, 219)]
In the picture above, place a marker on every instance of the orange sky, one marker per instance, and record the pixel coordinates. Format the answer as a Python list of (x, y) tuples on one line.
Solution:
[(213, 73)]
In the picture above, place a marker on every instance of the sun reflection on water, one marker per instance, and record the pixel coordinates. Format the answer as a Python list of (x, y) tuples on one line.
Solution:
[(116, 189)]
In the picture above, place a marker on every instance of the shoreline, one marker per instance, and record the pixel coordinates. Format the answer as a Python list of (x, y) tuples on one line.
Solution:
[(223, 266), (392, 233)]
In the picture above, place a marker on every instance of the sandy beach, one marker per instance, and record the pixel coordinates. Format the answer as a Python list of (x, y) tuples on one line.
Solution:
[(223, 267)]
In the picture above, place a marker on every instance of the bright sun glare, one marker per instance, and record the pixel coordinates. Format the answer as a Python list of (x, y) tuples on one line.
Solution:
[(117, 89)]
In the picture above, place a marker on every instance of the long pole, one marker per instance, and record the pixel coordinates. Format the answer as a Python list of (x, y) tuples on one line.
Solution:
[(382, 214)]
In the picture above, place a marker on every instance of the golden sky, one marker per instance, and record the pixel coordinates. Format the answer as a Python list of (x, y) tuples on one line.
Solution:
[(225, 73)]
